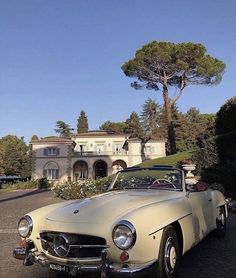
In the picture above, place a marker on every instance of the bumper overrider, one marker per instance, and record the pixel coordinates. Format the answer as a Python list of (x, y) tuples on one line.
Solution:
[(104, 268)]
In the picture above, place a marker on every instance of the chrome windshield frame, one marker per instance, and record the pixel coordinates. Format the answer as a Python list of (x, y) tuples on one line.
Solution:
[(155, 167)]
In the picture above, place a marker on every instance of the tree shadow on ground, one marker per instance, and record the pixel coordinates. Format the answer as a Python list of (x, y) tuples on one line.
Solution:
[(34, 192)]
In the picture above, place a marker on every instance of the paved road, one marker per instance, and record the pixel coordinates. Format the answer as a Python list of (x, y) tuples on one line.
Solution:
[(211, 258), (12, 206)]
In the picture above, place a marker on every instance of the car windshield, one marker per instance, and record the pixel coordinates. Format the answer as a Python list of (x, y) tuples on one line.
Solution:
[(148, 178)]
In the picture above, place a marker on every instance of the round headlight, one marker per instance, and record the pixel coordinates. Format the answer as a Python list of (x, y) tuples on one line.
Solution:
[(124, 235), (25, 226)]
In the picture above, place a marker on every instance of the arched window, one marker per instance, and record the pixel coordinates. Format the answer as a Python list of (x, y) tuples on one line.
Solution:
[(51, 171)]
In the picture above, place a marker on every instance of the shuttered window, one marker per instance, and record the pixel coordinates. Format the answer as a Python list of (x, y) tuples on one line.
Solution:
[(52, 151)]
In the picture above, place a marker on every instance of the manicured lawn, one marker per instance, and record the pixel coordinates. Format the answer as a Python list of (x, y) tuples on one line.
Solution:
[(168, 160)]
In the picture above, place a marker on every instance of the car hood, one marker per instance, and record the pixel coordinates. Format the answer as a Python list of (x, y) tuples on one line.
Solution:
[(109, 206)]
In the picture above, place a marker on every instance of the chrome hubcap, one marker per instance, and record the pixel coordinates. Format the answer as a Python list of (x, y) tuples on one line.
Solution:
[(170, 256)]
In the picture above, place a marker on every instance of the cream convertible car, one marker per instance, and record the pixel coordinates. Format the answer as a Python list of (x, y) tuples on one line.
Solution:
[(139, 228)]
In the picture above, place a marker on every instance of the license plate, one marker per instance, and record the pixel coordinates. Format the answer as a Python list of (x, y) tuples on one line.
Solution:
[(57, 267)]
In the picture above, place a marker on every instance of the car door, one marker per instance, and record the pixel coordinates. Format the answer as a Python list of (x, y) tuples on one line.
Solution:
[(208, 210), (201, 204)]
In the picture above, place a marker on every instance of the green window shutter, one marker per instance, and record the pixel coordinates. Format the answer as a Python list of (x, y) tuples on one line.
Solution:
[(57, 174)]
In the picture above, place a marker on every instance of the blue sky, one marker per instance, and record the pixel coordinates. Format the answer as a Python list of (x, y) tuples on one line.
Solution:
[(58, 57)]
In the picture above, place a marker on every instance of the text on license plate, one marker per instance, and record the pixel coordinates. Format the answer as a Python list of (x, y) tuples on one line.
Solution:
[(58, 267)]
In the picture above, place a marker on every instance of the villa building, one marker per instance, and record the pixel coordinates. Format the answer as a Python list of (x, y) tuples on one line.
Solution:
[(90, 155)]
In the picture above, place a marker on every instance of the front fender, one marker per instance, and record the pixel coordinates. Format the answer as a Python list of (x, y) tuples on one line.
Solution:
[(159, 215), (149, 222), (219, 200)]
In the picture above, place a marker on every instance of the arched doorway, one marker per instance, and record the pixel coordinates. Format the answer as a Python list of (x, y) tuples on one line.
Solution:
[(80, 170), (118, 165), (100, 169)]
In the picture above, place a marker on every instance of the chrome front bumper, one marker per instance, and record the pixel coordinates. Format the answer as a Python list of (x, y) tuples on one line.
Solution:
[(105, 268)]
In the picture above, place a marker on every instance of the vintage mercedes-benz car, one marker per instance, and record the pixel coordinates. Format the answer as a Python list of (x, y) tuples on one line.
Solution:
[(140, 228)]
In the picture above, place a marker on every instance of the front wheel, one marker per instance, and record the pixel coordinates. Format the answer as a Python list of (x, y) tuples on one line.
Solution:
[(220, 230), (169, 254)]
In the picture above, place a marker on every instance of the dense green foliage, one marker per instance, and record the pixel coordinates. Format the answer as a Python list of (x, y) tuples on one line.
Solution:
[(14, 157), (152, 123), (82, 123), (30, 184), (117, 127), (134, 126), (226, 143), (190, 126), (151, 117), (143, 127), (206, 154), (226, 131), (63, 129), (216, 149), (166, 65), (147, 124)]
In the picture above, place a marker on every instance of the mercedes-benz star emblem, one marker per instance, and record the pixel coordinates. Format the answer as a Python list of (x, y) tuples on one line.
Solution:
[(61, 245)]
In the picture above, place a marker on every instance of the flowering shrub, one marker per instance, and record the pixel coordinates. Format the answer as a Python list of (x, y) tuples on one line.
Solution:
[(186, 161), (81, 189)]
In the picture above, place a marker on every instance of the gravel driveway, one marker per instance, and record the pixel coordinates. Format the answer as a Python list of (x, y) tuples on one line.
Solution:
[(211, 258)]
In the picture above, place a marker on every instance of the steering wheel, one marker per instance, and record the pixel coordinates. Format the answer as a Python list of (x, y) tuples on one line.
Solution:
[(158, 181)]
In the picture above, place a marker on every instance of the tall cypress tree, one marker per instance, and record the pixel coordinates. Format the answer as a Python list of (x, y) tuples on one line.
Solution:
[(82, 123), (63, 129), (134, 126), (151, 117)]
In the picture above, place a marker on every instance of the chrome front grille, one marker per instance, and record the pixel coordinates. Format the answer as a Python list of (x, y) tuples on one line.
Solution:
[(80, 246)]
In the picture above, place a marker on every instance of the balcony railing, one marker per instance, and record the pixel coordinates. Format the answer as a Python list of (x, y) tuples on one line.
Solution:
[(101, 153)]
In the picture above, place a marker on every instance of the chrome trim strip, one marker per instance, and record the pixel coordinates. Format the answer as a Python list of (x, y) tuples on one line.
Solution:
[(89, 246), (69, 260), (78, 245), (19, 253), (42, 239), (133, 270), (103, 267), (170, 223)]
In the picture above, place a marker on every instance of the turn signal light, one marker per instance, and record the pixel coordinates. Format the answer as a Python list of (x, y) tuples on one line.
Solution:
[(124, 256), (22, 242)]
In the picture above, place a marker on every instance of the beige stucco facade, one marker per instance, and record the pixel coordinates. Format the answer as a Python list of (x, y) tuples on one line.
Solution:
[(90, 155)]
